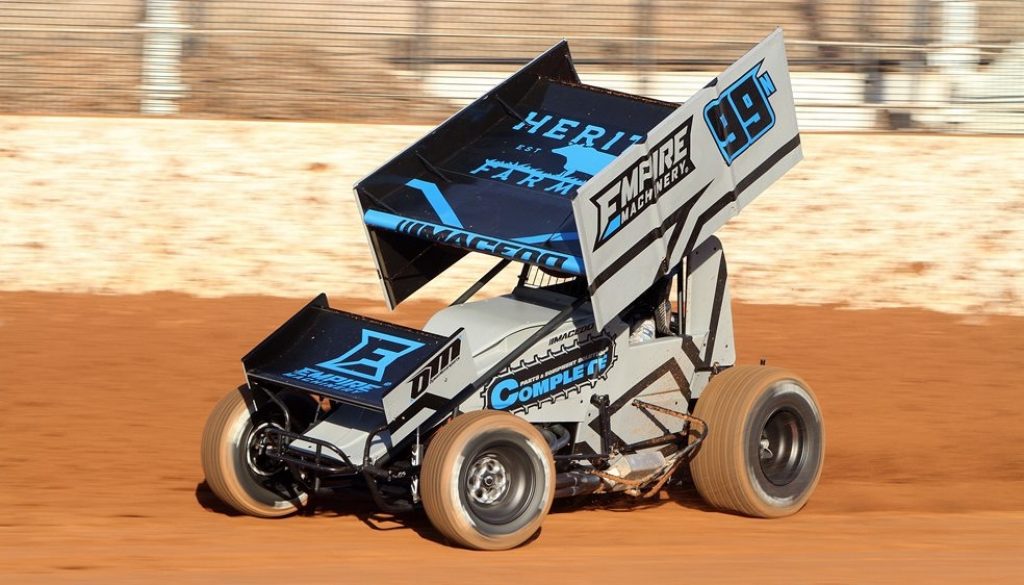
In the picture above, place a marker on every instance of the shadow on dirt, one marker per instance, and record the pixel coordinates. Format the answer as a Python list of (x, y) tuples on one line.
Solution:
[(684, 493), (357, 503), (353, 502), (340, 503), (206, 498), (679, 491)]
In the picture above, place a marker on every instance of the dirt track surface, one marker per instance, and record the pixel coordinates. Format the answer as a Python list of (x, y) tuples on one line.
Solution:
[(104, 399)]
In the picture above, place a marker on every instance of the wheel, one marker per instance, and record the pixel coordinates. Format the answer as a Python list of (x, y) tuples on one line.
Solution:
[(236, 471), (765, 445), (487, 480)]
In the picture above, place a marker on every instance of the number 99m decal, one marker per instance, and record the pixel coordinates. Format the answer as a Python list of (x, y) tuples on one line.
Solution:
[(742, 114)]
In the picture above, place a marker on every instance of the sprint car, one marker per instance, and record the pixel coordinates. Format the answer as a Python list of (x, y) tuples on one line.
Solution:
[(608, 367)]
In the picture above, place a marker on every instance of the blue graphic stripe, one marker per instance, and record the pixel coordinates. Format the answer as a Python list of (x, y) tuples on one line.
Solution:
[(544, 238), (613, 226), (473, 241), (437, 201)]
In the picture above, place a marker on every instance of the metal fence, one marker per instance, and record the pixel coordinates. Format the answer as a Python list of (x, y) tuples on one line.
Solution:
[(944, 65)]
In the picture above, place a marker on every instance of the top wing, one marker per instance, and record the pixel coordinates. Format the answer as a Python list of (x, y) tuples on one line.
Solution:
[(644, 212), (499, 176)]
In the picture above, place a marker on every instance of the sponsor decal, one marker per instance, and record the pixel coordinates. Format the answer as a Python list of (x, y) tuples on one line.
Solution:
[(742, 114), (422, 379), (500, 247), (450, 232), (570, 334), (641, 184), (583, 150), (361, 369), (553, 376)]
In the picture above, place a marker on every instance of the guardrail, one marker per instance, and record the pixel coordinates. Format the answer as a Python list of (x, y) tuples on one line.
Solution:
[(942, 65)]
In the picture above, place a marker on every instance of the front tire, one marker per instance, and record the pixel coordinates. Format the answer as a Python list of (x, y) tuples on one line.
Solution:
[(487, 480), (234, 470), (766, 442)]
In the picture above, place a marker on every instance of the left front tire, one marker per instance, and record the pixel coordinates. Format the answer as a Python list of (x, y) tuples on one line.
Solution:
[(487, 480), (236, 472)]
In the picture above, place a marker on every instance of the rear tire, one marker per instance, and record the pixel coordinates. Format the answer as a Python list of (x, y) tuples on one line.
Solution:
[(487, 480), (235, 473), (766, 442)]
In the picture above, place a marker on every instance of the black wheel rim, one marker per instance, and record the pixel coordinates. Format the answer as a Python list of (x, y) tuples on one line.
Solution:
[(498, 483), (269, 479), (259, 464), (782, 446)]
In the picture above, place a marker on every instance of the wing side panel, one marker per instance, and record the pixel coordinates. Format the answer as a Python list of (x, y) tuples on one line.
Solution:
[(698, 168)]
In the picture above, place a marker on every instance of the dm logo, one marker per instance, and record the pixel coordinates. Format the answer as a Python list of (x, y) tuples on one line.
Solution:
[(372, 356), (432, 370), (742, 114)]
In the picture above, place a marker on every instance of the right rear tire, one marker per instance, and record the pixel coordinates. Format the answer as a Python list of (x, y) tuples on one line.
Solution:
[(235, 471), (766, 443)]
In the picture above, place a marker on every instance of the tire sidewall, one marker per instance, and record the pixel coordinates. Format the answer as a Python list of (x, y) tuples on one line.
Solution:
[(452, 451), (239, 479), (536, 483), (784, 394)]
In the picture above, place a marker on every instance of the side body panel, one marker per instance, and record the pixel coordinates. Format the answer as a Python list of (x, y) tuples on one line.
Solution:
[(429, 388), (557, 378), (708, 343)]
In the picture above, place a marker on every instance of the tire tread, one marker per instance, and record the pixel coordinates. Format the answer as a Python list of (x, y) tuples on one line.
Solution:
[(435, 480), (719, 469), (217, 464)]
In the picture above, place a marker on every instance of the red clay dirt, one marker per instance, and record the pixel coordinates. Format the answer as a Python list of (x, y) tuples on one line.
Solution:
[(104, 399)]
